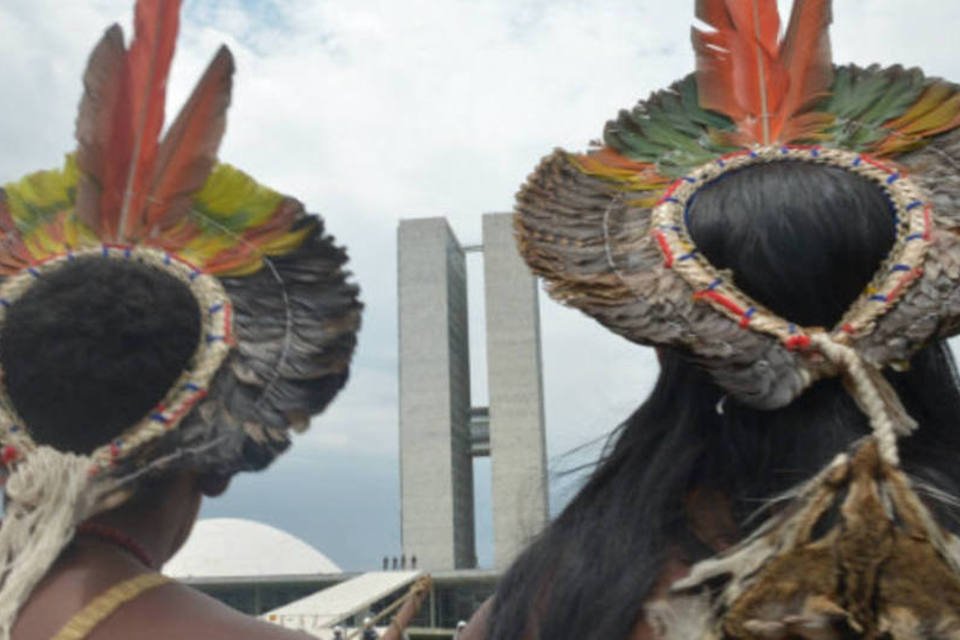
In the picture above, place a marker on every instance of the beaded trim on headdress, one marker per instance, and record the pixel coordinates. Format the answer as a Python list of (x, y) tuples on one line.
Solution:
[(608, 231), (216, 340), (912, 220)]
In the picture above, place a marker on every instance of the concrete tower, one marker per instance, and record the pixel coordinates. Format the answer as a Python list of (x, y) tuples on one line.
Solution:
[(517, 440), (436, 470), (440, 431)]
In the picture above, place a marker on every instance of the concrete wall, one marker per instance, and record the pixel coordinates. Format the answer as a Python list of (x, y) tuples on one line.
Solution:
[(436, 472), (517, 440)]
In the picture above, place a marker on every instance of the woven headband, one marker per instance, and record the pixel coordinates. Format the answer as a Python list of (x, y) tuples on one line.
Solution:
[(216, 340)]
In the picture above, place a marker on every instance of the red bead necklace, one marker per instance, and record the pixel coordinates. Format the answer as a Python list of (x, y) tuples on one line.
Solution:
[(117, 538)]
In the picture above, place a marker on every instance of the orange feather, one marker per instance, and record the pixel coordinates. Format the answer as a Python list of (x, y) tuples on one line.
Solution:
[(808, 64), (747, 73), (189, 149), (121, 117), (156, 23)]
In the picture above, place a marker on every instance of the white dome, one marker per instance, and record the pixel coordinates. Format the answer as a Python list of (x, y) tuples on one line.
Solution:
[(233, 547)]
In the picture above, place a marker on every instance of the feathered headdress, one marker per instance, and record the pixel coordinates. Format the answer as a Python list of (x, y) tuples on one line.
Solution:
[(607, 231), (279, 317)]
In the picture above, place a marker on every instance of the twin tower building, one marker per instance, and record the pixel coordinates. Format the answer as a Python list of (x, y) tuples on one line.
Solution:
[(441, 430)]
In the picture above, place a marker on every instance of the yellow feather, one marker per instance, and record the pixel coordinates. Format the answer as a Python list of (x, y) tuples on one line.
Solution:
[(937, 110), (236, 200)]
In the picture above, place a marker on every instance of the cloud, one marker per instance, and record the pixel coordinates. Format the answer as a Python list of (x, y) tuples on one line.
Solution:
[(375, 110)]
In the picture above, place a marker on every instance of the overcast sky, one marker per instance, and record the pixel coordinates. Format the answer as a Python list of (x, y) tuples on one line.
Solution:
[(371, 111)]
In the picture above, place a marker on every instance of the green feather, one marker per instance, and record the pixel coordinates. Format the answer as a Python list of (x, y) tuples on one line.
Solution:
[(669, 129), (863, 100)]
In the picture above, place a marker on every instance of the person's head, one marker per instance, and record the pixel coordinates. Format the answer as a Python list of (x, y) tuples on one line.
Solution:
[(804, 240), (89, 350)]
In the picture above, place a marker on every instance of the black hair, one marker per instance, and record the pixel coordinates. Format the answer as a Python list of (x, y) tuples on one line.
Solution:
[(804, 240), (93, 346)]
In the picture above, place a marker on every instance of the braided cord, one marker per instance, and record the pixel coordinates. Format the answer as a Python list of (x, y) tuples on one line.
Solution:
[(866, 390)]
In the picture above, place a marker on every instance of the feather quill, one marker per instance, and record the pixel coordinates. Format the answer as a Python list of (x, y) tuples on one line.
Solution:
[(764, 84)]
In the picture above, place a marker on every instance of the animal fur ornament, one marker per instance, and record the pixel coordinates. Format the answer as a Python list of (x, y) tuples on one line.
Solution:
[(278, 315), (855, 553)]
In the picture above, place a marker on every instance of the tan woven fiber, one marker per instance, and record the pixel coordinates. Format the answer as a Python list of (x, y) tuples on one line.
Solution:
[(104, 605), (190, 386)]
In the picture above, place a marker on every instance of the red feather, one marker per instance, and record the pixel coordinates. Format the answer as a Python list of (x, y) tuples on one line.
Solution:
[(103, 155), (189, 149), (808, 64), (762, 83), (120, 120), (156, 23)]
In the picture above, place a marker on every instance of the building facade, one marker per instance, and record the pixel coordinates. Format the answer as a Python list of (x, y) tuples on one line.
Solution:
[(440, 429), (436, 476)]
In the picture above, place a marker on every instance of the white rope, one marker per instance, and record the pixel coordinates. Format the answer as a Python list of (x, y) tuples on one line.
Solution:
[(874, 395), (48, 494)]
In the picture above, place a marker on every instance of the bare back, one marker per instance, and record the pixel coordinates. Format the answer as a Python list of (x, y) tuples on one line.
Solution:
[(170, 610)]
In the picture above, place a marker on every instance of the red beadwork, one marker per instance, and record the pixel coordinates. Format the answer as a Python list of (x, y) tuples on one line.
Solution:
[(906, 280), (9, 454), (876, 163), (735, 154), (720, 299), (804, 147), (187, 405), (117, 538), (672, 189), (798, 342), (664, 248)]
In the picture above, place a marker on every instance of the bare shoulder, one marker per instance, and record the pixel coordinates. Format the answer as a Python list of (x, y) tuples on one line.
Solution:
[(178, 611), (478, 626)]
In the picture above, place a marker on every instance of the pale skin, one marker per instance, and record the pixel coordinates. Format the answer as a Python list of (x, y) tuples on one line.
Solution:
[(90, 566)]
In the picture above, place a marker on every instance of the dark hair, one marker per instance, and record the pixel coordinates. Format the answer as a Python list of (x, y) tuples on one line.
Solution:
[(92, 347), (804, 240)]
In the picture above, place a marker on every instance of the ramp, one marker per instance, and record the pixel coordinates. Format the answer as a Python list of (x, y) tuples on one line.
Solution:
[(317, 613)]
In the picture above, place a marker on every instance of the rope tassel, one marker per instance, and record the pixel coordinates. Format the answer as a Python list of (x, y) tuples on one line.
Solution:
[(47, 496), (873, 394)]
